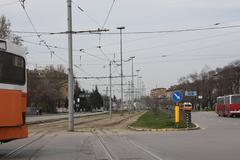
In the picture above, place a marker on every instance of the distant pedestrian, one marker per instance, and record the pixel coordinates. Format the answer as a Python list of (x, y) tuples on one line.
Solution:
[(40, 111)]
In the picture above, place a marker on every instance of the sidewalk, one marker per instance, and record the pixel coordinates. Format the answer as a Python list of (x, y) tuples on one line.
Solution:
[(34, 119)]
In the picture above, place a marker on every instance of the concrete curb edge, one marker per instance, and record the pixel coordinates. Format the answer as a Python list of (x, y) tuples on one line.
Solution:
[(197, 127)]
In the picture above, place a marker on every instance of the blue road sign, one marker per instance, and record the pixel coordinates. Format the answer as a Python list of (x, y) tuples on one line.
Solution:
[(177, 96), (190, 93)]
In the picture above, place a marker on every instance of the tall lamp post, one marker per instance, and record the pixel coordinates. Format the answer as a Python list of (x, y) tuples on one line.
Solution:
[(138, 88), (121, 28), (110, 87), (70, 72), (132, 96)]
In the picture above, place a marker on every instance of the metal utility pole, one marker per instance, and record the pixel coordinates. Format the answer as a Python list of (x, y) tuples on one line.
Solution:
[(129, 92), (110, 90), (138, 88), (104, 100), (121, 28), (70, 69), (140, 91), (132, 83)]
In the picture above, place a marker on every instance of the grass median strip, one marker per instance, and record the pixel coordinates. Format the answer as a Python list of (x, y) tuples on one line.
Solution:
[(157, 120)]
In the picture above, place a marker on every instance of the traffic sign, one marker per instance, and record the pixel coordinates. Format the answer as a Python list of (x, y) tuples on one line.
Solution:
[(177, 96), (190, 93)]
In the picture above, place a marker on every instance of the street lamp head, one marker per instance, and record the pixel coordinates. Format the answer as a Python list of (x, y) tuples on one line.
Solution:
[(127, 60), (121, 27), (132, 57), (138, 70)]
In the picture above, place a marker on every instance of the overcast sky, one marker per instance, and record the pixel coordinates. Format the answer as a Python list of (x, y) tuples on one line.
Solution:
[(162, 58)]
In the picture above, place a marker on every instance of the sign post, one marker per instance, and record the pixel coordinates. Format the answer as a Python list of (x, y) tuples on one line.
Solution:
[(177, 97), (177, 113)]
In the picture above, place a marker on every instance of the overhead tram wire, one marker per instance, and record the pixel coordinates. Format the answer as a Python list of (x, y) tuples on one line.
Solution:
[(151, 37), (188, 60), (76, 66), (169, 44), (102, 77), (45, 43), (237, 26), (177, 30), (105, 22), (87, 32), (189, 50), (183, 51), (109, 12), (62, 48), (86, 14), (101, 50), (178, 43), (34, 28), (139, 32)]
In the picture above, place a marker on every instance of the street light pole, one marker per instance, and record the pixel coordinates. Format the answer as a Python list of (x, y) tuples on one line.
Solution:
[(110, 87), (132, 83), (138, 88), (121, 28), (70, 69)]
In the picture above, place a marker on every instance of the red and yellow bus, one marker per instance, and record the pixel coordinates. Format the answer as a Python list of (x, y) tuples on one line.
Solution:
[(228, 105), (13, 92)]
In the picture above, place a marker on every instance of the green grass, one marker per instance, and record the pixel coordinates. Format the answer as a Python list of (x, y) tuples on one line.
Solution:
[(156, 120)]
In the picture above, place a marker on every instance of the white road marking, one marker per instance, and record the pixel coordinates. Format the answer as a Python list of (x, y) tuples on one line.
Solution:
[(178, 97)]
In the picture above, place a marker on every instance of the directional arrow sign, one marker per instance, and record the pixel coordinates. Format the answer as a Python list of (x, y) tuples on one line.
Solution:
[(177, 96)]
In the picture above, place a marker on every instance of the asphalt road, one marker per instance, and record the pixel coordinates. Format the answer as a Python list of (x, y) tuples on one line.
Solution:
[(218, 140)]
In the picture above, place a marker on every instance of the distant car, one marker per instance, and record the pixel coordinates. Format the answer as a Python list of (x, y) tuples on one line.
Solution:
[(187, 106)]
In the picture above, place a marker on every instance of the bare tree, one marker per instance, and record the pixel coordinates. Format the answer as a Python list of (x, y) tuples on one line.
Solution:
[(46, 88), (5, 31), (4, 27), (212, 83)]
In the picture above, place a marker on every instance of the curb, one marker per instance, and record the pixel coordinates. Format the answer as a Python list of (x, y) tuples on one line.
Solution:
[(197, 127)]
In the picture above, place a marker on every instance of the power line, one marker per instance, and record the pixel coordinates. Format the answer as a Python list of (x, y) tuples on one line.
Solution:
[(189, 50), (184, 51), (34, 28), (178, 43), (102, 77), (96, 31), (84, 12), (177, 30), (140, 32), (189, 60), (169, 44), (101, 50), (63, 48), (109, 12)]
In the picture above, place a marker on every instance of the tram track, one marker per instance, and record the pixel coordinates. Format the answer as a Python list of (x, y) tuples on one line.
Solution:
[(18, 150), (103, 145), (129, 143), (99, 127), (62, 125), (154, 156), (39, 143)]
